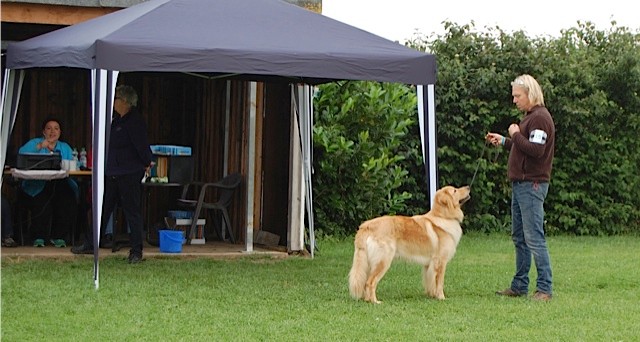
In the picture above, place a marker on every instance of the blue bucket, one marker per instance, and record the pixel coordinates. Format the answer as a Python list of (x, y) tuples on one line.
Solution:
[(170, 241)]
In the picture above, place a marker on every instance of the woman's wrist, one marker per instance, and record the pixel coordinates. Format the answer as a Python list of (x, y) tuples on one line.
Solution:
[(503, 141)]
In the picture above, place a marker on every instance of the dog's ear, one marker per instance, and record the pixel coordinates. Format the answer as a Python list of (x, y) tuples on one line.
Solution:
[(451, 200), (445, 199)]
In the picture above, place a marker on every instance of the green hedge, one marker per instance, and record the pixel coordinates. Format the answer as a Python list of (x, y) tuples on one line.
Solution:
[(368, 159), (362, 149)]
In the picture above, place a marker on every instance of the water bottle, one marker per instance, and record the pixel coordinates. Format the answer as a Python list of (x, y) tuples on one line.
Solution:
[(83, 158), (74, 160)]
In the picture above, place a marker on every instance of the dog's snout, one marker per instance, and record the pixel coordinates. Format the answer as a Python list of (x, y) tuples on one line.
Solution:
[(467, 190)]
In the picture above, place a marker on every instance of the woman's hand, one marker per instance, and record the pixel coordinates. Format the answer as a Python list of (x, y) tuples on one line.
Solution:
[(513, 129), (49, 145), (147, 170), (494, 138)]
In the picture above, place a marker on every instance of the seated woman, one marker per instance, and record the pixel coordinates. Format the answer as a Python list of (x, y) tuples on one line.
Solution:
[(52, 201)]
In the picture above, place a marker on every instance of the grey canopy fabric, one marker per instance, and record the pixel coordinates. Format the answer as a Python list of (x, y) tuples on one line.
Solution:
[(247, 37)]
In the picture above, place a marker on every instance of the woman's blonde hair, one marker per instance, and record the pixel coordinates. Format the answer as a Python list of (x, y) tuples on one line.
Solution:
[(531, 86)]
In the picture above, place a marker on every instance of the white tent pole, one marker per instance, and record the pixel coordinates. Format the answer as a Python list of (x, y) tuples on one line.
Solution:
[(103, 83), (227, 118), (421, 120), (433, 143), (11, 90), (296, 208), (307, 141), (225, 160), (251, 164), (427, 120), (304, 110)]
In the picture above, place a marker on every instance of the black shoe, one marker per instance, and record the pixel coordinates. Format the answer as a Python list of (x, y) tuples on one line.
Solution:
[(135, 257), (9, 242), (106, 241), (82, 249)]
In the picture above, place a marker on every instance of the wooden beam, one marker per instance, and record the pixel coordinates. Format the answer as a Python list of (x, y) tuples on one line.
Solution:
[(50, 14)]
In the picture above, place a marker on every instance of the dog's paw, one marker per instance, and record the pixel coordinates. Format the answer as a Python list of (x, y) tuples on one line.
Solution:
[(372, 300), (438, 296)]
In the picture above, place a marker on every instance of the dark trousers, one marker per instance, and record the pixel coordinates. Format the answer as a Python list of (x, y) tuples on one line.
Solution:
[(54, 206), (126, 191), (7, 225)]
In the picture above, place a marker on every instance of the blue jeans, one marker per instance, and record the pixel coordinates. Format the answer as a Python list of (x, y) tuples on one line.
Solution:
[(527, 233)]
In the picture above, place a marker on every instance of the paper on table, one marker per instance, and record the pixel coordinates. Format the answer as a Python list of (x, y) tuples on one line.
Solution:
[(39, 174)]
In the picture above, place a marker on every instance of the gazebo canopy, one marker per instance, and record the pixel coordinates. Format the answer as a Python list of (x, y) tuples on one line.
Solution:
[(244, 37)]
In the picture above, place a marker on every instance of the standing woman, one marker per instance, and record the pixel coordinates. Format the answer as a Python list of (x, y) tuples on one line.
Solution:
[(128, 158), (531, 144), (53, 202)]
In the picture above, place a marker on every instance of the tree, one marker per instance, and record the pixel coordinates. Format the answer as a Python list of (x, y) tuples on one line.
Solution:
[(362, 158)]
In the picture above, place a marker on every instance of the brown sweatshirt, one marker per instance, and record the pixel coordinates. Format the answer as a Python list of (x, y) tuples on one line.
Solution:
[(531, 150)]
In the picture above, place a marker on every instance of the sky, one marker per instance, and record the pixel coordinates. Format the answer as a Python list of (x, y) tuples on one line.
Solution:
[(398, 20)]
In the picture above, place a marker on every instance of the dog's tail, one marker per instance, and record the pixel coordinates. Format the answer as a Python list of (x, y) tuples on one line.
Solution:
[(360, 267)]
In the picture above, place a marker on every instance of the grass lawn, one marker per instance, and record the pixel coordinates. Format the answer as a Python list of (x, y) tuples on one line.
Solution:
[(596, 298)]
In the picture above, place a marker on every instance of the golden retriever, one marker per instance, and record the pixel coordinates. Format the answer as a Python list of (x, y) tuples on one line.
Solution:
[(430, 240)]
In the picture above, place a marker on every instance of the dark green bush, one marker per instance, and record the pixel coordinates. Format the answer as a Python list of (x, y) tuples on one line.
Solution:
[(360, 157)]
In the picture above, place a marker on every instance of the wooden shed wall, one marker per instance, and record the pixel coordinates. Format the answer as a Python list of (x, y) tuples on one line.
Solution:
[(180, 110)]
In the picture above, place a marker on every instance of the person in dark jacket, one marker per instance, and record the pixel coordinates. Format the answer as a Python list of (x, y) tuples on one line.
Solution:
[(128, 159), (531, 144)]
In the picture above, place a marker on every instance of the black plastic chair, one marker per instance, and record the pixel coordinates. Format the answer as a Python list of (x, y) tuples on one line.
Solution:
[(225, 189)]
